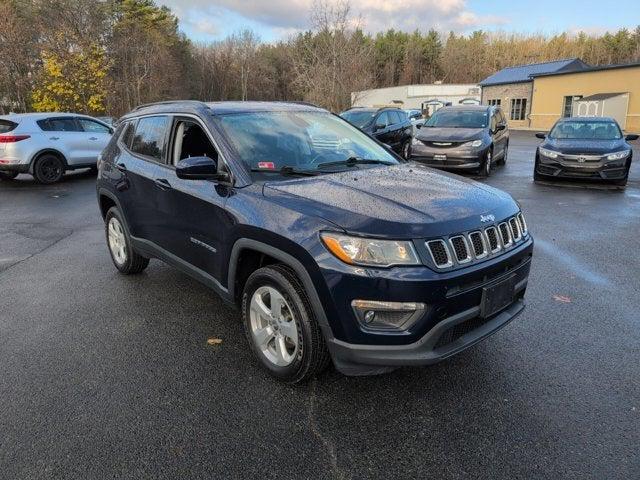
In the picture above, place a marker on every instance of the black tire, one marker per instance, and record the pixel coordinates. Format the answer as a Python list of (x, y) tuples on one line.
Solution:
[(485, 168), (536, 175), (311, 355), (405, 152), (48, 169), (503, 159), (7, 176), (133, 262)]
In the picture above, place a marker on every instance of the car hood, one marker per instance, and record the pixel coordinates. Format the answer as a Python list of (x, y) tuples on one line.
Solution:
[(437, 134), (593, 147), (403, 201)]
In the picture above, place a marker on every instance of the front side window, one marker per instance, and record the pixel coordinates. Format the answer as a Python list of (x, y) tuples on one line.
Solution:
[(383, 120), (190, 140), (93, 127), (149, 137), (581, 130), (459, 119), (269, 141), (518, 108)]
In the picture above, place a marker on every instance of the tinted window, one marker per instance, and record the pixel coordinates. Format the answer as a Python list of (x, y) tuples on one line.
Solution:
[(59, 125), (459, 119), (7, 126), (383, 119), (91, 126), (396, 117), (359, 118), (578, 130), (149, 137), (127, 133)]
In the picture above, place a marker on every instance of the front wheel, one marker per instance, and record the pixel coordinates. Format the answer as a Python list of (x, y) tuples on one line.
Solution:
[(503, 159), (124, 257), (485, 168), (281, 327), (8, 175), (406, 149)]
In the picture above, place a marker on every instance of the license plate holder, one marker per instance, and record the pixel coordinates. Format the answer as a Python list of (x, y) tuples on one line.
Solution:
[(497, 296)]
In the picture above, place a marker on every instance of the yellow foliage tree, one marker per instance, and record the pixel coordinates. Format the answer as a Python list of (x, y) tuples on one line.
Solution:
[(72, 81)]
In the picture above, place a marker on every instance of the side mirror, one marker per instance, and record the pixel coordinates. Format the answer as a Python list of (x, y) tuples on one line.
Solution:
[(500, 127), (419, 125), (541, 135), (631, 137), (198, 168), (379, 126)]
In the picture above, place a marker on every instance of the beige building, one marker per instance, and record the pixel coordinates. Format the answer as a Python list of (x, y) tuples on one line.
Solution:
[(512, 88), (607, 91)]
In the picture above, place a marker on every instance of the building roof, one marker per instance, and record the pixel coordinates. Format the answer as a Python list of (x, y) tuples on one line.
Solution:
[(588, 69), (600, 96), (525, 73)]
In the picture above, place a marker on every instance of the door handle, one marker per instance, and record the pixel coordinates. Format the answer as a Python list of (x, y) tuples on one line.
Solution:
[(93, 138), (162, 183), (54, 138)]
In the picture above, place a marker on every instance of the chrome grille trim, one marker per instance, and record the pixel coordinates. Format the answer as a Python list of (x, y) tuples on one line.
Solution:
[(442, 243), (523, 224), (497, 237), (514, 226), (505, 232), (485, 249), (465, 245)]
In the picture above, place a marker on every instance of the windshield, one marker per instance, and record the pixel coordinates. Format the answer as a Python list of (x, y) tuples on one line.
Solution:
[(359, 118), (581, 130), (459, 119), (269, 141)]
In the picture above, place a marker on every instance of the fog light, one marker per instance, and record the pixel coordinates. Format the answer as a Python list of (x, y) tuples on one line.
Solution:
[(387, 315)]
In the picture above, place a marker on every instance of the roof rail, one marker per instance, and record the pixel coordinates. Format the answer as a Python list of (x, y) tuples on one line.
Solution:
[(302, 102), (168, 102)]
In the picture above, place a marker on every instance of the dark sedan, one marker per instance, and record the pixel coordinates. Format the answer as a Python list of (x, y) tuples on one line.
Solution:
[(586, 148), (463, 138), (390, 126)]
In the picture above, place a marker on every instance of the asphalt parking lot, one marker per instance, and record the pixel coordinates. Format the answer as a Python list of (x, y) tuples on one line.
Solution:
[(105, 376)]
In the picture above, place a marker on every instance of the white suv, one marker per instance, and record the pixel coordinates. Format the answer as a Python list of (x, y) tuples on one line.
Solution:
[(46, 145)]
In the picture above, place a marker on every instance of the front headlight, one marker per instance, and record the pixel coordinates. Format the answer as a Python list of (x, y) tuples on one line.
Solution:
[(618, 155), (473, 144), (415, 141), (370, 252), (548, 153)]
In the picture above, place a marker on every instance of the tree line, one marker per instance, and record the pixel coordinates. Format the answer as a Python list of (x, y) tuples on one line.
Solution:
[(104, 57)]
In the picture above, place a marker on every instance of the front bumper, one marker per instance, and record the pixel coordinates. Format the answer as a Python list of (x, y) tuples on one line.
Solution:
[(589, 170), (448, 158)]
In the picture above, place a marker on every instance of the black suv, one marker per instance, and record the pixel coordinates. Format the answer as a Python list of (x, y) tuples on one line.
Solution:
[(465, 137), (333, 247), (390, 126)]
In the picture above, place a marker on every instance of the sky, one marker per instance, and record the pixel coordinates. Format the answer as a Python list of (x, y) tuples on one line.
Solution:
[(207, 20)]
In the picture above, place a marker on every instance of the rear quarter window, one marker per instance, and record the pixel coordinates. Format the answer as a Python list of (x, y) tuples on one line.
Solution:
[(7, 126)]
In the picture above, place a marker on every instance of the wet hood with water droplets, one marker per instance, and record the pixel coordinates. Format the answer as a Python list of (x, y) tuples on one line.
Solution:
[(407, 200)]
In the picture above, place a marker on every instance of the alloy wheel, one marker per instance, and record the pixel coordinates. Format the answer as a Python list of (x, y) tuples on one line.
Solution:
[(117, 241), (273, 326), (50, 169), (487, 164)]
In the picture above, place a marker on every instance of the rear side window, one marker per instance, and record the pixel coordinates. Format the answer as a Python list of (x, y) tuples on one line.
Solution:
[(150, 135), (59, 125), (394, 117), (7, 125), (383, 119)]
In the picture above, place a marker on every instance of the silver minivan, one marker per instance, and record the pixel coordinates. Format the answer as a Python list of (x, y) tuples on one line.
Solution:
[(46, 145)]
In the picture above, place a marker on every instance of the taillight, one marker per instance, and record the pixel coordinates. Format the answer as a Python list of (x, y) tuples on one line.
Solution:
[(13, 138)]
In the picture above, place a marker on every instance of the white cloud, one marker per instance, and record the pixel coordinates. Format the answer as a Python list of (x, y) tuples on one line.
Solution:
[(376, 15)]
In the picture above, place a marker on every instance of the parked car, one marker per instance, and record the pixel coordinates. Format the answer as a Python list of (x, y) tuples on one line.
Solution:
[(586, 148), (333, 251), (46, 145), (465, 137), (416, 118), (387, 125)]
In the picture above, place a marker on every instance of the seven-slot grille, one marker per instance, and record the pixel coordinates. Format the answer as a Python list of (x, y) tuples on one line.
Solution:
[(479, 244)]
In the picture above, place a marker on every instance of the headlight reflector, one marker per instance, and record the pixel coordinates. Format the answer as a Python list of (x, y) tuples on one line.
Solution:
[(473, 144), (618, 155), (370, 251), (548, 153)]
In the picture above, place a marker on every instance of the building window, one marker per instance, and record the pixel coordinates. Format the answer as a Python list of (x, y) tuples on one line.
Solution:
[(567, 109), (518, 108), (494, 102)]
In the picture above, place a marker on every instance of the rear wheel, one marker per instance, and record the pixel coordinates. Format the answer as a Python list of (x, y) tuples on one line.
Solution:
[(124, 257), (406, 148), (48, 169), (281, 327), (8, 175)]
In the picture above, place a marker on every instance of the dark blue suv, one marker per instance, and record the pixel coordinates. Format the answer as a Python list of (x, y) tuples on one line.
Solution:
[(334, 248)]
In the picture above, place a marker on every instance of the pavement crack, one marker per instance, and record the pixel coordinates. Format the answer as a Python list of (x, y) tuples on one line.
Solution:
[(22, 260), (330, 448)]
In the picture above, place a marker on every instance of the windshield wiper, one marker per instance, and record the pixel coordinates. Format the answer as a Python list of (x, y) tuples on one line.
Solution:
[(352, 161), (287, 171)]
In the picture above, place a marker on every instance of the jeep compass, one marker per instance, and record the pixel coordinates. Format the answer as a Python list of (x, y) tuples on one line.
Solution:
[(333, 248)]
